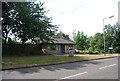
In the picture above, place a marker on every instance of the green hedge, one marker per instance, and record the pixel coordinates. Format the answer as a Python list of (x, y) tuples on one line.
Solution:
[(20, 50)]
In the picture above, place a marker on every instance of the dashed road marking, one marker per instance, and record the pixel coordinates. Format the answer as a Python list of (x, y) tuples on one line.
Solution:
[(74, 75), (107, 66)]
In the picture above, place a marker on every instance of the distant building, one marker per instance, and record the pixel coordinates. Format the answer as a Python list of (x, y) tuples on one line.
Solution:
[(59, 46)]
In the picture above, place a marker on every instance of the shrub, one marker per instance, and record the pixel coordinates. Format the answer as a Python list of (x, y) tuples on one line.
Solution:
[(93, 52)]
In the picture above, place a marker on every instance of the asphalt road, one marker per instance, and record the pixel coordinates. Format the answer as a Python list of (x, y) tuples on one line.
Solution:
[(95, 69)]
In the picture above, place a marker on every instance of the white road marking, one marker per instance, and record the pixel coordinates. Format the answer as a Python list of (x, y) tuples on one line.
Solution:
[(107, 66), (75, 75)]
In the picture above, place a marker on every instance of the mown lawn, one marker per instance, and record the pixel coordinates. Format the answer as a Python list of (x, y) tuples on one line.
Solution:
[(12, 62)]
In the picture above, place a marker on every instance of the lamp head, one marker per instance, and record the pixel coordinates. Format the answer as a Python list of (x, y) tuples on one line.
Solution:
[(111, 16)]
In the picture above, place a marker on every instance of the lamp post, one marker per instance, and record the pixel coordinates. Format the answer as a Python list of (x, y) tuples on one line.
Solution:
[(103, 31)]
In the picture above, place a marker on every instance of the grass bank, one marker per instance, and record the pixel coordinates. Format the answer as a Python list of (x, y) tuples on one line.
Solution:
[(13, 62)]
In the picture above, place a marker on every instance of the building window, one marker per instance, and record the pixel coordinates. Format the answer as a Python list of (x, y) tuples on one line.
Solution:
[(52, 47)]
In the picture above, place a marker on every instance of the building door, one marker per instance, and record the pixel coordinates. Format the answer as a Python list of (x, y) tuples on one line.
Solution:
[(62, 48)]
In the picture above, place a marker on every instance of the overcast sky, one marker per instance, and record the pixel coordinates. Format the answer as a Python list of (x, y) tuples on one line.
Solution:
[(82, 15)]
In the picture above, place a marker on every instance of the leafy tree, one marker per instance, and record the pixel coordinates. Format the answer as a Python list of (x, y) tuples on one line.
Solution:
[(30, 21), (96, 42), (81, 41), (112, 35), (117, 37), (109, 36), (91, 43), (112, 38), (61, 34), (7, 22)]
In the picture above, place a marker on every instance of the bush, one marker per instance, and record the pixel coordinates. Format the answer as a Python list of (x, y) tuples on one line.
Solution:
[(88, 52), (93, 52)]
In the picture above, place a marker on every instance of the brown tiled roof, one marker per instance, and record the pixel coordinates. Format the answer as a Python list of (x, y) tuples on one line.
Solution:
[(62, 41)]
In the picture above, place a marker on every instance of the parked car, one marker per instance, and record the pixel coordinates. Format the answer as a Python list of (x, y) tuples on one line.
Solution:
[(77, 51)]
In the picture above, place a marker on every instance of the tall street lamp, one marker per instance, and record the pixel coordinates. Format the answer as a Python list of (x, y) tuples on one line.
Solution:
[(103, 31)]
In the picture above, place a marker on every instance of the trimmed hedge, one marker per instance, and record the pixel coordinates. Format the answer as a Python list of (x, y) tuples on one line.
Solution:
[(21, 50)]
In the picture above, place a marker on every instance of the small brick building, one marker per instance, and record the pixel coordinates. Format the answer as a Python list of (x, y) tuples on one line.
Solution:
[(59, 46)]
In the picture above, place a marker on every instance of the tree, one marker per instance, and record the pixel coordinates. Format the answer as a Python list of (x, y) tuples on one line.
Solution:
[(96, 42), (112, 38), (117, 37), (112, 35), (7, 22), (109, 36), (81, 41), (63, 35), (30, 21)]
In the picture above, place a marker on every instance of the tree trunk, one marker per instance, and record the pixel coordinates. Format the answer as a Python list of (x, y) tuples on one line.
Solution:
[(23, 42), (5, 39)]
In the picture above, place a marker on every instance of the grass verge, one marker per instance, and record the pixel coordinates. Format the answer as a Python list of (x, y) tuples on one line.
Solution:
[(13, 62)]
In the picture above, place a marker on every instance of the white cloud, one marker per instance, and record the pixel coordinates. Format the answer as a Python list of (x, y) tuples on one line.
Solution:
[(82, 15)]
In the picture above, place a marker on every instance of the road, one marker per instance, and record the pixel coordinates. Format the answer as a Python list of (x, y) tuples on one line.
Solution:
[(94, 69)]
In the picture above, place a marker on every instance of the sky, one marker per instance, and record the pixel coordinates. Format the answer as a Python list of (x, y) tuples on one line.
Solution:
[(82, 15)]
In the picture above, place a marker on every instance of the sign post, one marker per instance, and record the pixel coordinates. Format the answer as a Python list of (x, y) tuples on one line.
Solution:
[(110, 48)]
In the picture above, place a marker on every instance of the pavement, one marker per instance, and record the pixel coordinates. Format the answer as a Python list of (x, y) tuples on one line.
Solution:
[(94, 69)]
